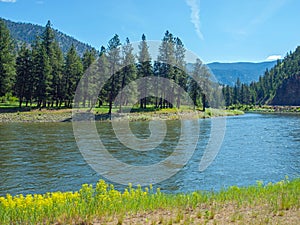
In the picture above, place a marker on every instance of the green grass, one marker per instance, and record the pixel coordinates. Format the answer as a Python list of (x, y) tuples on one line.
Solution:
[(265, 108), (221, 112), (9, 112), (9, 105), (104, 203)]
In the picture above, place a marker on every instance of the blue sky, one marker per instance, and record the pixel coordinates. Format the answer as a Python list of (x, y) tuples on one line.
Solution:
[(216, 30)]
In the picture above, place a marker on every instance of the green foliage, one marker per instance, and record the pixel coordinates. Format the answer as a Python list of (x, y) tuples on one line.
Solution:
[(24, 78), (102, 201), (46, 78), (194, 90), (144, 69), (7, 60), (88, 61), (263, 91), (72, 74), (42, 74), (57, 69), (114, 63), (27, 33), (53, 79), (128, 74)]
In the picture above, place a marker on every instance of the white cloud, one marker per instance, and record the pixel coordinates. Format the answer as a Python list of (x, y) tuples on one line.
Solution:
[(273, 57), (263, 14), (195, 19), (11, 1)]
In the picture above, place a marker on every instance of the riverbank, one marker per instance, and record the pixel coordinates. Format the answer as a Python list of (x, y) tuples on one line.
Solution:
[(65, 115), (275, 109), (267, 108), (259, 204)]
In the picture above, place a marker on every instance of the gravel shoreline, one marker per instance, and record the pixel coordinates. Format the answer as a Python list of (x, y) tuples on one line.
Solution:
[(45, 116)]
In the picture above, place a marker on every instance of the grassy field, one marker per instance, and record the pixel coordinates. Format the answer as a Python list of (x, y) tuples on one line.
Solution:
[(259, 204)]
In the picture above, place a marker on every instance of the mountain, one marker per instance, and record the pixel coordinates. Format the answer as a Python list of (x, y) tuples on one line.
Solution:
[(288, 93), (279, 85), (227, 73), (27, 32), (283, 81)]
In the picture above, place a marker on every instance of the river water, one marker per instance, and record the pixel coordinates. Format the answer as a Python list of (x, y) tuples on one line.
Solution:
[(43, 157)]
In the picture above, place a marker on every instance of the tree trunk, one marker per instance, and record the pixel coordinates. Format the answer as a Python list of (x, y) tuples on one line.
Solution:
[(178, 99)]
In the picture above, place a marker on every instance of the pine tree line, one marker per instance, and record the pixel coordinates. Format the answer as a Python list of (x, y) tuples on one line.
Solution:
[(41, 74), (263, 91)]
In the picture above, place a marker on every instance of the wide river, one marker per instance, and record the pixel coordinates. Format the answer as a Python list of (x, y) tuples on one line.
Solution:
[(43, 157)]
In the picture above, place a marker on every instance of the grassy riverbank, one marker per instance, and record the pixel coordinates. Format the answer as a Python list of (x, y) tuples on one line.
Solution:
[(65, 115), (267, 108), (260, 204), (276, 109)]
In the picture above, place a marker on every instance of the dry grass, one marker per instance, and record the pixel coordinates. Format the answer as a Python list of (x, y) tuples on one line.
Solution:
[(205, 214)]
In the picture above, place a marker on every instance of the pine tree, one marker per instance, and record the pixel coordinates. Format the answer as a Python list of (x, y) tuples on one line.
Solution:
[(72, 74), (55, 56), (209, 90), (167, 58), (227, 92), (144, 70), (42, 75), (48, 38), (194, 83), (180, 70), (57, 67), (156, 73), (89, 57), (103, 75), (114, 61), (7, 60), (237, 91), (128, 73), (24, 78)]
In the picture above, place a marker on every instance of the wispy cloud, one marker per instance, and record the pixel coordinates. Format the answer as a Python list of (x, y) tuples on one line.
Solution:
[(273, 57), (260, 17), (195, 16), (11, 1), (268, 12)]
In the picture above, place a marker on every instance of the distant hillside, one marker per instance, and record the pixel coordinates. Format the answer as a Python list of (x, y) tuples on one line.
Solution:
[(283, 81), (279, 85), (27, 32), (227, 73)]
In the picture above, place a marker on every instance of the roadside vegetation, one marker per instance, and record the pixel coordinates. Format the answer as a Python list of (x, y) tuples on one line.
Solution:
[(102, 204)]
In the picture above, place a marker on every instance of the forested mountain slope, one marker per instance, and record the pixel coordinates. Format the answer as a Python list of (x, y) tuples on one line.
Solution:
[(27, 32), (289, 92), (278, 86)]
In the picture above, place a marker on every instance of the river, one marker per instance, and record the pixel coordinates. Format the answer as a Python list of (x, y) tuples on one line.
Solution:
[(43, 157)]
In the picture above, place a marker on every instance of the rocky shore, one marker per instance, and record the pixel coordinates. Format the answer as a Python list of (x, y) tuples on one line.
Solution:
[(65, 115)]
